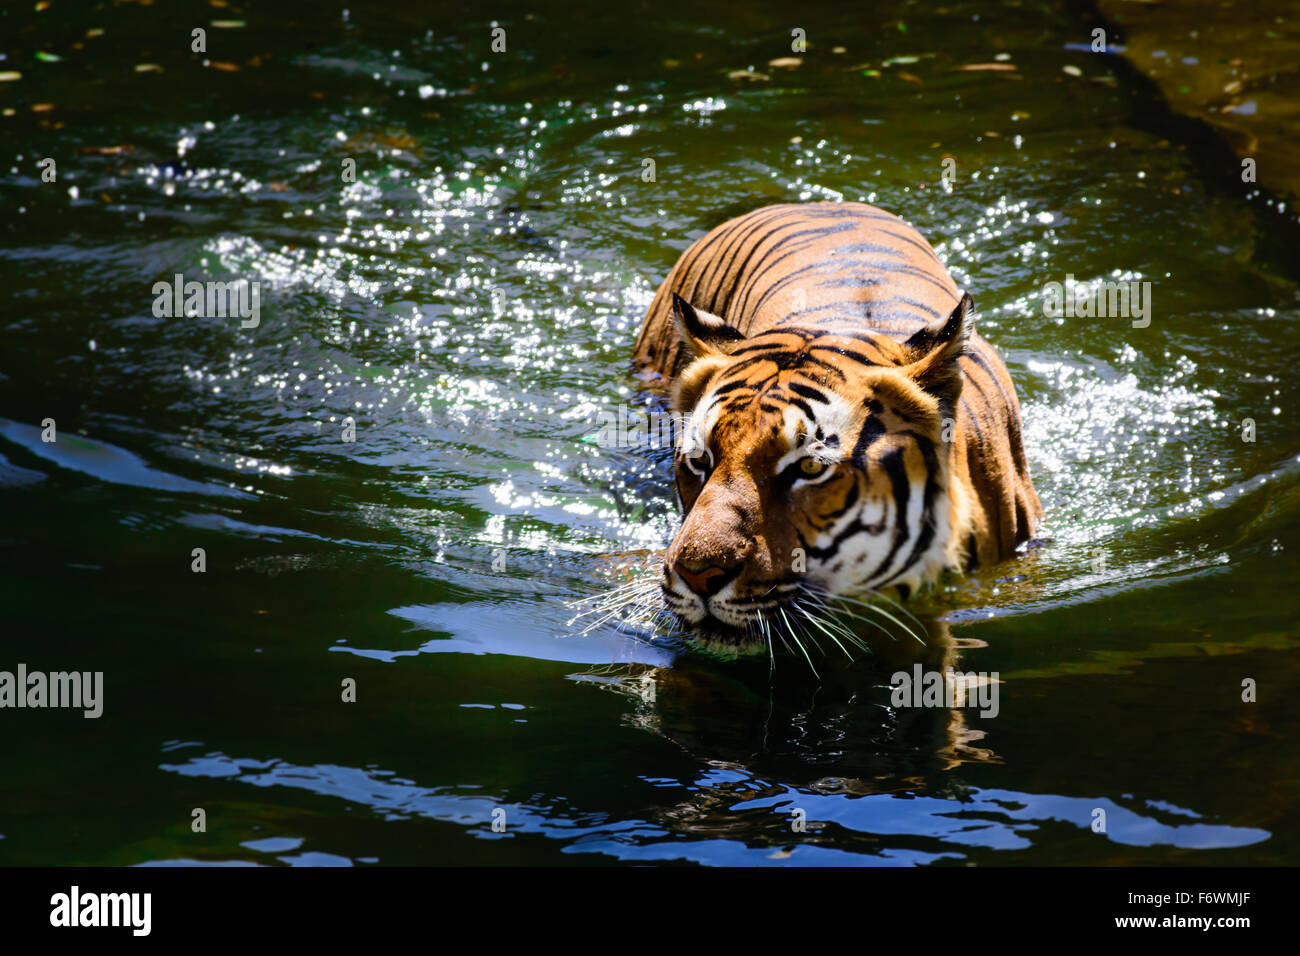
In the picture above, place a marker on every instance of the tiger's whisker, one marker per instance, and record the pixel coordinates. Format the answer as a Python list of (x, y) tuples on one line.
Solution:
[(876, 608), (818, 624), (830, 621), (798, 643)]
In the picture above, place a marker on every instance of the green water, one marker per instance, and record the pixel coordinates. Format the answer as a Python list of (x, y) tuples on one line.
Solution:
[(471, 301)]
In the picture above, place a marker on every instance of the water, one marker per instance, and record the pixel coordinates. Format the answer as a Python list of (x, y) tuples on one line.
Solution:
[(470, 302)]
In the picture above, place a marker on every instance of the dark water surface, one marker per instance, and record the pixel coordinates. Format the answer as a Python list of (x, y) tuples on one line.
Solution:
[(471, 301)]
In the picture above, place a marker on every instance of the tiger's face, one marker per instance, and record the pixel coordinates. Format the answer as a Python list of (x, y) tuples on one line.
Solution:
[(808, 465)]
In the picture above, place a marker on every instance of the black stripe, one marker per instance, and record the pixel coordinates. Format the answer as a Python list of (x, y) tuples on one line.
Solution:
[(808, 392), (931, 492), (740, 234), (764, 269), (924, 247), (847, 353), (872, 430), (741, 269), (897, 471), (729, 387), (868, 247), (803, 406)]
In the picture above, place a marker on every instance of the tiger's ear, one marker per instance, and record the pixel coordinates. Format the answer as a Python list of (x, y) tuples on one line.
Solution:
[(935, 350), (693, 380), (704, 334)]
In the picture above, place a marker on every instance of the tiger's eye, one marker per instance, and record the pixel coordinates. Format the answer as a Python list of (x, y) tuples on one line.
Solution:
[(698, 462), (812, 467)]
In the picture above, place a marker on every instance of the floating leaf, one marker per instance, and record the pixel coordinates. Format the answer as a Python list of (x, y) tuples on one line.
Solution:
[(785, 62), (105, 150), (8, 76)]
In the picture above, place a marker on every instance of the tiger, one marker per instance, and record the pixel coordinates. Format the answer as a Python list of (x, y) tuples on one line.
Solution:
[(843, 429)]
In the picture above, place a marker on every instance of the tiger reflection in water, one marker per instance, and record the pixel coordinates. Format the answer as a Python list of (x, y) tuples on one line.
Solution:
[(779, 736)]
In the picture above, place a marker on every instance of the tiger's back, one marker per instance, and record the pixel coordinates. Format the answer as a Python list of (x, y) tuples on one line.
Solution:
[(851, 268)]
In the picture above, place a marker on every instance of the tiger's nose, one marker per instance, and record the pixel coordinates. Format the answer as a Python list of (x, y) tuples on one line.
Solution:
[(706, 581)]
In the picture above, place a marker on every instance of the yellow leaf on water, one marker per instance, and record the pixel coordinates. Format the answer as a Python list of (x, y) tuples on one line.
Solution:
[(105, 150)]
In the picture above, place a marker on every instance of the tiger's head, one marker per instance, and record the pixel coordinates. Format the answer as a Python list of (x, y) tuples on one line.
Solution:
[(809, 463)]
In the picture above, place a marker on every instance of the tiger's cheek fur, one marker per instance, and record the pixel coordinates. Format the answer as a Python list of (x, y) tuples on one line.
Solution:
[(816, 515), (889, 527)]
